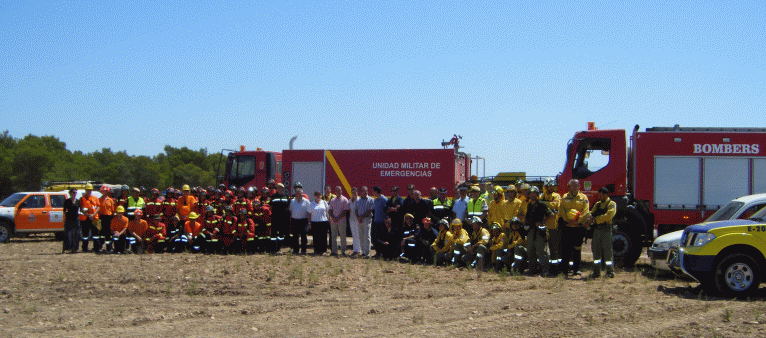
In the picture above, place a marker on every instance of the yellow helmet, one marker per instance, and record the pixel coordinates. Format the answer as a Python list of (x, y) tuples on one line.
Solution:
[(185, 187), (193, 215), (457, 221), (119, 209), (574, 215), (89, 186)]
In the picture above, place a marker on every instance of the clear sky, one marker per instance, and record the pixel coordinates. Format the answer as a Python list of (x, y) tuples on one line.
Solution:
[(515, 79)]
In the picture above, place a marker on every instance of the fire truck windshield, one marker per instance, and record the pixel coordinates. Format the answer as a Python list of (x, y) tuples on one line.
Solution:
[(592, 155), (240, 170)]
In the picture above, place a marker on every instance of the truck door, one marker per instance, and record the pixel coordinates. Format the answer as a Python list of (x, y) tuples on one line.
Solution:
[(595, 167), (310, 175), (33, 213)]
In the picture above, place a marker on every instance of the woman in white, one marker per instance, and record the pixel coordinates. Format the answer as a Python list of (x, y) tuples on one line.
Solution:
[(320, 225), (353, 223)]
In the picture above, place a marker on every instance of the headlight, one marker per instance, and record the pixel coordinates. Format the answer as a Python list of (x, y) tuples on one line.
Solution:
[(702, 239), (662, 246)]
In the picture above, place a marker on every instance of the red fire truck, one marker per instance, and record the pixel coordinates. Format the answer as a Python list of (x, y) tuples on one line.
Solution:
[(667, 179), (315, 169)]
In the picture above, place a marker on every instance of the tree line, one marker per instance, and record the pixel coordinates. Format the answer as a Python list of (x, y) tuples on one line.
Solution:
[(27, 163)]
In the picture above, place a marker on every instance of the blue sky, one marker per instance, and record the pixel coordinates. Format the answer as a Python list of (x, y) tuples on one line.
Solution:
[(515, 79)]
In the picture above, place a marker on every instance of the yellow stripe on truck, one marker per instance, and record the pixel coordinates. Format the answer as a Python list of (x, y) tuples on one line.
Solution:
[(338, 172)]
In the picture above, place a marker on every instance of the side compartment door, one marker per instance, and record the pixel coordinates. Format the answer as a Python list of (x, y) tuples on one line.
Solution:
[(310, 175), (56, 212), (32, 214)]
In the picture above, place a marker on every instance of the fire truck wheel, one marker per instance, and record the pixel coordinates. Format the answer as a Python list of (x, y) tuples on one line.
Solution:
[(625, 249), (737, 275), (5, 233)]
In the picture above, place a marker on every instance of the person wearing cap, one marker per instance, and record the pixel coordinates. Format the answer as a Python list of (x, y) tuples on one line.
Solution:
[(280, 216), (486, 190), (518, 245), (378, 218), (523, 196), (153, 205), (387, 240), (552, 200), (537, 239), (460, 206), (476, 248), (512, 207), (426, 236), (137, 232), (299, 221), (319, 225), (118, 227), (442, 245), (498, 246), (497, 207), (602, 214), (254, 238), (72, 231), (186, 203), (135, 202), (89, 206), (574, 210), (460, 241), (411, 250), (227, 234), (156, 234), (477, 206), (193, 233), (394, 207), (105, 214), (211, 225), (339, 207), (441, 207), (365, 206)]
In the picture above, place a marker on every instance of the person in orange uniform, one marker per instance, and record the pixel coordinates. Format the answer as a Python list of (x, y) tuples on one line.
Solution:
[(186, 203), (169, 205), (228, 231), (153, 205), (193, 229), (202, 202), (118, 227), (89, 205), (155, 236), (245, 232), (137, 231), (211, 223), (105, 214), (241, 202), (262, 228)]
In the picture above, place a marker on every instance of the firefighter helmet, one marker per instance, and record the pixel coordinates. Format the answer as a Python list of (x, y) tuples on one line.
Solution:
[(495, 226), (89, 186), (243, 211), (193, 215), (210, 208), (574, 215), (155, 191), (104, 189), (457, 221), (185, 187), (474, 219), (138, 213), (119, 209)]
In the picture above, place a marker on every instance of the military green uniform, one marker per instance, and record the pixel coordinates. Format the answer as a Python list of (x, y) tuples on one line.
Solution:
[(603, 213)]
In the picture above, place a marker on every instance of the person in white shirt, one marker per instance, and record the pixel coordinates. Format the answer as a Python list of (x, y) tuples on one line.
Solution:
[(353, 223), (299, 220), (319, 211)]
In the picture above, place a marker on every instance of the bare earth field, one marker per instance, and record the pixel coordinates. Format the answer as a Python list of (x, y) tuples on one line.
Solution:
[(44, 293)]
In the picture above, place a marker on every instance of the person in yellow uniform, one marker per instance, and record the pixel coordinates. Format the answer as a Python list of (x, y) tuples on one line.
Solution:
[(497, 245), (602, 214), (460, 240), (442, 245), (477, 206), (512, 207), (574, 211), (477, 249), (523, 196), (552, 200), (497, 207), (518, 246)]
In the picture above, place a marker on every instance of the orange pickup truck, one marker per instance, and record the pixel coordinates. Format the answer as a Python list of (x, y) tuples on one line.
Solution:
[(33, 212)]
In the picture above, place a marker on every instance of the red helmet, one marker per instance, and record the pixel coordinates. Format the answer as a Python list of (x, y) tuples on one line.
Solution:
[(104, 189), (155, 191), (138, 213)]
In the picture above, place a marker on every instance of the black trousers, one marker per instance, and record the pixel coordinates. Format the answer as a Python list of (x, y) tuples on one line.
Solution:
[(105, 235), (89, 231), (571, 245), (319, 231), (376, 228), (298, 230), (72, 235)]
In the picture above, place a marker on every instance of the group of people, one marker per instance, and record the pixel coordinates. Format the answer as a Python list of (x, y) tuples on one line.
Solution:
[(518, 228)]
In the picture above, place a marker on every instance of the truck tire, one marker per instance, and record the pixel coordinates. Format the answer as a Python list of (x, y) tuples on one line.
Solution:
[(5, 232), (626, 248), (737, 275)]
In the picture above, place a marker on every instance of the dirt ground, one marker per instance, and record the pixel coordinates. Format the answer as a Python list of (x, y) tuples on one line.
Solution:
[(45, 293)]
